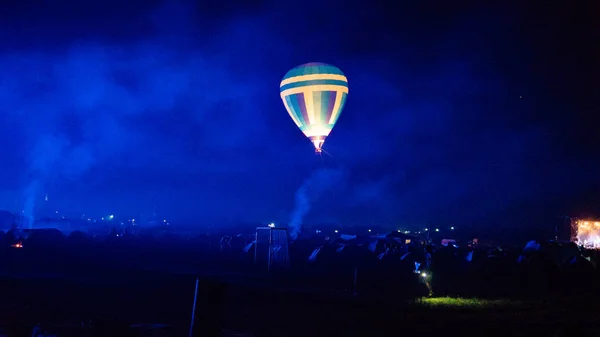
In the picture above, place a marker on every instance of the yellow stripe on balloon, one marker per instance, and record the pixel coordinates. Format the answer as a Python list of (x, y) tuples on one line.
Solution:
[(312, 78), (311, 88), (310, 106), (336, 106), (317, 104)]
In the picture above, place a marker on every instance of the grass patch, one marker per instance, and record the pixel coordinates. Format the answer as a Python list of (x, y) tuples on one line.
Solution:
[(467, 303)]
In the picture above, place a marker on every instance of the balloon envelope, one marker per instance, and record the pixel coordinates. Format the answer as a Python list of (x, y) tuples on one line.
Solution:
[(314, 95)]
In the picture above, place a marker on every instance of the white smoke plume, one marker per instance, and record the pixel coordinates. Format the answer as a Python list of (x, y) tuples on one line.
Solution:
[(30, 192), (311, 190), (43, 158)]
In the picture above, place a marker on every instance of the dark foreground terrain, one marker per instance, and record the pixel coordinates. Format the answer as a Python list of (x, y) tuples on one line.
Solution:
[(264, 308), (62, 283)]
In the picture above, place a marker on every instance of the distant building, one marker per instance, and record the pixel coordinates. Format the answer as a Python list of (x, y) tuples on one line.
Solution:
[(271, 248), (564, 230)]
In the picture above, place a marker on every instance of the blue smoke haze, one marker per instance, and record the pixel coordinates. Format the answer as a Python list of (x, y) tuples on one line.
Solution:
[(117, 107), (312, 191)]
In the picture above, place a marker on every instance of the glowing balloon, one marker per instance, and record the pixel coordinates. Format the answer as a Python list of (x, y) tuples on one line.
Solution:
[(314, 95)]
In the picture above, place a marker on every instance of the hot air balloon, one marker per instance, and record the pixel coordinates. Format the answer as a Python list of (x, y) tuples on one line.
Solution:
[(314, 95)]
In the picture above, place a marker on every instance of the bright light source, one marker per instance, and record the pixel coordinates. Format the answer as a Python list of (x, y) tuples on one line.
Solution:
[(110, 217), (426, 229), (437, 229), (271, 225), (424, 274), (589, 236), (369, 231), (452, 228), (398, 231), (336, 231), (406, 232)]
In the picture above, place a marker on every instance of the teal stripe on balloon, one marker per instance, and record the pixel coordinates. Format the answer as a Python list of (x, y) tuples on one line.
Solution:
[(324, 97), (313, 68), (313, 82), (295, 108), (290, 104)]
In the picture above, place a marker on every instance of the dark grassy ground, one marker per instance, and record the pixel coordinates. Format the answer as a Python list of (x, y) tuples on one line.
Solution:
[(154, 298), (104, 286)]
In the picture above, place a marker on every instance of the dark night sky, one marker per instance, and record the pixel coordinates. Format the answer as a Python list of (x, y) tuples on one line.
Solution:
[(458, 112)]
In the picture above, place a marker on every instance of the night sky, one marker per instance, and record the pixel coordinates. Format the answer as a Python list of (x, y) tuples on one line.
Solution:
[(459, 112)]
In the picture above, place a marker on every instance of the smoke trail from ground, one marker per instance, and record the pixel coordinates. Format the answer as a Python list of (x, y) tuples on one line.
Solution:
[(92, 101), (43, 159), (311, 190), (30, 194)]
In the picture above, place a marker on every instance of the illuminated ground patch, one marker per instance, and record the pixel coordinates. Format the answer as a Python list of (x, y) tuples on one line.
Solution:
[(468, 303)]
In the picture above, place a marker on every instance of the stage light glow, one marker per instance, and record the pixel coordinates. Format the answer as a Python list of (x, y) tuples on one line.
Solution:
[(588, 233)]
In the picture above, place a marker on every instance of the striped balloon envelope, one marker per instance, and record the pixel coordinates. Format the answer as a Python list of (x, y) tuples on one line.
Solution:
[(314, 95)]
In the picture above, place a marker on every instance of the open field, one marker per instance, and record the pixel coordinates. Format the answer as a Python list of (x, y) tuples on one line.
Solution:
[(138, 283), (155, 298)]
